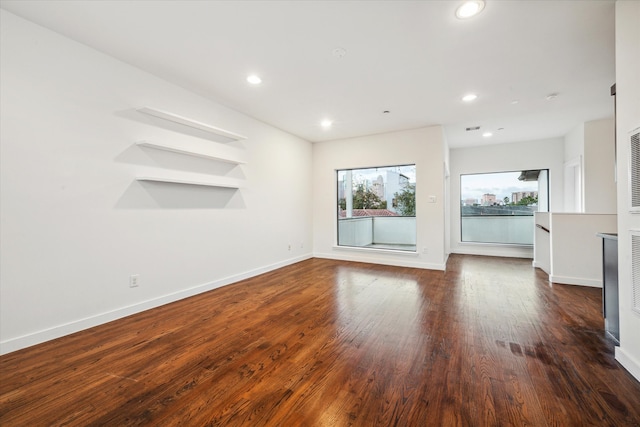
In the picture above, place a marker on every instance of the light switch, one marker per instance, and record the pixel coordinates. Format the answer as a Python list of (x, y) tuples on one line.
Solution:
[(432, 199)]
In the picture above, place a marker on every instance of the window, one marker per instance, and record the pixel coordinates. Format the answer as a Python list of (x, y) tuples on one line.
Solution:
[(498, 207), (377, 207)]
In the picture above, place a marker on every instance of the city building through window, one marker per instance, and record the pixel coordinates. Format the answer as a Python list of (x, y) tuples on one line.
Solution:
[(376, 207), (498, 207)]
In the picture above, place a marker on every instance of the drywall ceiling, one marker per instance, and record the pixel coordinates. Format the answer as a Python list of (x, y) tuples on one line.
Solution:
[(411, 58)]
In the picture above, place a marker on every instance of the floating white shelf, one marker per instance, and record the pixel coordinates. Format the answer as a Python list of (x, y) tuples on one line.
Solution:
[(191, 123), (207, 150), (191, 179)]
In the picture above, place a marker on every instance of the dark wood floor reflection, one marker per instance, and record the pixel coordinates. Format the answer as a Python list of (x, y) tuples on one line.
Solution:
[(329, 343)]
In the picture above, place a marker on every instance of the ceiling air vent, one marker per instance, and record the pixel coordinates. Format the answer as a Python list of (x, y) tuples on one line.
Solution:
[(473, 128), (635, 270), (634, 170)]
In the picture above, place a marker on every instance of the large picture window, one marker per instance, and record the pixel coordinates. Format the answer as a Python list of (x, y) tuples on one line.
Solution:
[(376, 207), (498, 207)]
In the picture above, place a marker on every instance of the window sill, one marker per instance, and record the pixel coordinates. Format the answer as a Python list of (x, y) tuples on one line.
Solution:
[(376, 250), (498, 245)]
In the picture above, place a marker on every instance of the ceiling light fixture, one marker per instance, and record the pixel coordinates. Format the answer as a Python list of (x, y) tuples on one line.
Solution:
[(254, 80), (487, 134), (552, 96), (326, 123), (470, 97), (469, 8)]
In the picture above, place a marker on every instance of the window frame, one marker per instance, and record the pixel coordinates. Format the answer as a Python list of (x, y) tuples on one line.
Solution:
[(502, 244), (382, 248)]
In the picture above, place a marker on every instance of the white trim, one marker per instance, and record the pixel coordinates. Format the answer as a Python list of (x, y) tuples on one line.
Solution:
[(58, 331), (535, 264), (580, 281), (628, 362), (384, 261)]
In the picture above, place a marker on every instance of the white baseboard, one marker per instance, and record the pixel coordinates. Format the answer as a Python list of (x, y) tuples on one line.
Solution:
[(628, 362), (399, 262), (581, 281), (58, 331)]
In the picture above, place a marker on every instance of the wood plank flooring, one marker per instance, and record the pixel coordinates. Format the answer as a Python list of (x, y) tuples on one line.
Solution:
[(489, 342)]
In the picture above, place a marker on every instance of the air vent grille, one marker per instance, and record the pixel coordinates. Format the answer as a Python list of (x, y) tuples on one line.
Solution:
[(634, 176), (635, 270)]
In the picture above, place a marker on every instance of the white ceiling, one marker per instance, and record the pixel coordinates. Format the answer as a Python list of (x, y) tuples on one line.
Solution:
[(413, 58)]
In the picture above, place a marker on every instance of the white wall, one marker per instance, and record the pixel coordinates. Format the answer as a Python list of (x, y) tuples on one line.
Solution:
[(574, 143), (627, 119), (575, 249), (74, 221), (591, 147), (447, 197), (573, 171), (545, 154), (422, 147), (542, 242), (599, 167)]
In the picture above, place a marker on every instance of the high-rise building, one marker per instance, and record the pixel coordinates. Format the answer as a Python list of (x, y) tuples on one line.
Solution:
[(488, 199), (516, 197)]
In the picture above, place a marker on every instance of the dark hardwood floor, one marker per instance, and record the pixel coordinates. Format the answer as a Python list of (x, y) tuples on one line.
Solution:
[(326, 343)]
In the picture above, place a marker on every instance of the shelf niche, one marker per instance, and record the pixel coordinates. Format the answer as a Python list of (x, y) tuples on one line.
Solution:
[(192, 179), (190, 123), (207, 150)]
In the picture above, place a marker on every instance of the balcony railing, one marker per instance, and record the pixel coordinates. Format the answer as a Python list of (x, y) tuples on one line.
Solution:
[(383, 232), (506, 229)]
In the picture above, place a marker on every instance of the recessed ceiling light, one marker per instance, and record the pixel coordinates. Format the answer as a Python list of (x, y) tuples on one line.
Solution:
[(470, 97), (469, 8), (552, 96), (487, 134), (326, 123), (386, 112), (514, 102), (254, 80)]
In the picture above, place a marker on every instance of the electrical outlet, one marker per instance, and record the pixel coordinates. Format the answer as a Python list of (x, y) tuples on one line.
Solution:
[(301, 245), (425, 250), (134, 280), (289, 246)]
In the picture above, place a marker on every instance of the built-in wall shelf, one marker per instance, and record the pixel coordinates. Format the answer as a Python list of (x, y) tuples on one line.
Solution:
[(207, 150), (191, 179), (190, 123)]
